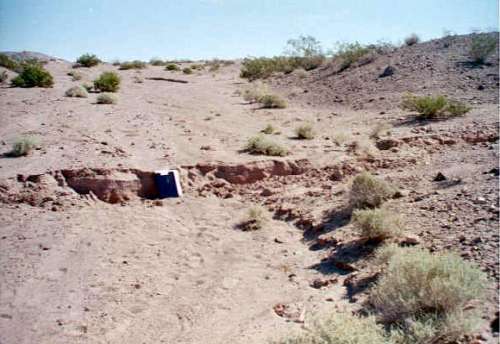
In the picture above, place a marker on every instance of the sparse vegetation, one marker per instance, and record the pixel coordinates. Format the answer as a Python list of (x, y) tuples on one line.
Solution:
[(88, 60), (22, 147), (172, 67), (107, 82), (7, 62), (368, 191), (340, 138), (341, 328), (379, 130), (75, 75), (269, 129), (430, 107), (425, 297), (363, 147), (377, 224), (3, 76), (256, 219), (271, 101), (157, 62), (412, 39), (255, 93), (33, 75), (481, 47), (305, 132), (350, 53), (261, 145), (77, 91), (87, 87), (136, 64), (106, 98), (187, 70)]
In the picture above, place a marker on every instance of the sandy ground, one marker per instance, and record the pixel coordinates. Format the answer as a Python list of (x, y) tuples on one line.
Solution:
[(181, 273)]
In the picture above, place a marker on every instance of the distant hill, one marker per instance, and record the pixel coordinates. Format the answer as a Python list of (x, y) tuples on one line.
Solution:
[(27, 55)]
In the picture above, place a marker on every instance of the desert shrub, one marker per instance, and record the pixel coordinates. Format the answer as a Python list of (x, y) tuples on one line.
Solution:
[(22, 146), (429, 107), (116, 63), (3, 76), (305, 52), (197, 66), (412, 39), (156, 62), (255, 92), (269, 129), (137, 79), (33, 75), (87, 87), (136, 64), (305, 132), (271, 101), (187, 70), (340, 138), (256, 218), (261, 145), (481, 47), (88, 60), (380, 129), (264, 67), (107, 82), (77, 91), (7, 62), (368, 191), (378, 223), (106, 98), (350, 53), (341, 328), (362, 147), (75, 76), (426, 297), (172, 67)]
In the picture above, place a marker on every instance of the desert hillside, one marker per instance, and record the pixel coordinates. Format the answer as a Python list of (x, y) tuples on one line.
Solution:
[(260, 244)]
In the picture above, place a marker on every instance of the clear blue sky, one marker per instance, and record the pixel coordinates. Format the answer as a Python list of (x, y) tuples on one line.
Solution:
[(125, 29)]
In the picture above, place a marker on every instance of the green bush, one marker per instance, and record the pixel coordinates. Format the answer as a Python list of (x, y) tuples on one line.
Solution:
[(412, 39), (187, 70), (271, 101), (7, 62), (33, 75), (106, 98), (305, 132), (341, 328), (136, 64), (481, 47), (261, 145), (350, 53), (368, 191), (88, 60), (429, 107), (107, 82), (377, 224), (426, 297), (264, 67), (22, 147), (172, 67), (77, 91), (156, 62)]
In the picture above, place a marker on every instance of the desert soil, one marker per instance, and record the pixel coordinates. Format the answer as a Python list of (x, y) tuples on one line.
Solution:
[(79, 268)]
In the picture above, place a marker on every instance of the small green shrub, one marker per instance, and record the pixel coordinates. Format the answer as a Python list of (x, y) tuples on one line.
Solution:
[(3, 77), (172, 67), (264, 67), (427, 297), (350, 53), (22, 147), (88, 60), (368, 191), (7, 62), (430, 107), (156, 62), (106, 98), (77, 91), (33, 75), (341, 328), (305, 132), (269, 129), (75, 75), (412, 39), (187, 70), (481, 47), (271, 101), (377, 224), (136, 64), (256, 218), (107, 82), (261, 145)]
